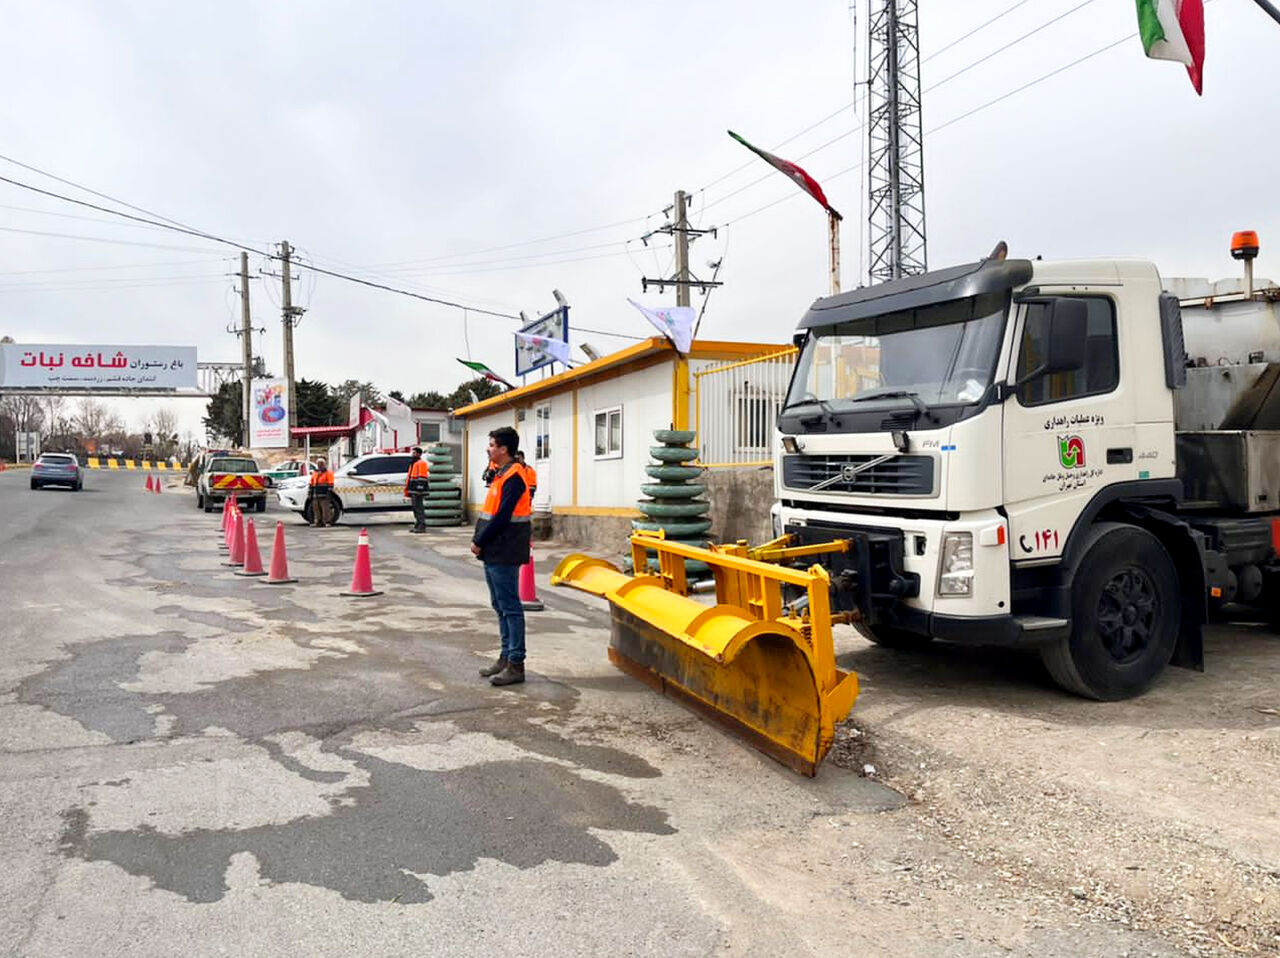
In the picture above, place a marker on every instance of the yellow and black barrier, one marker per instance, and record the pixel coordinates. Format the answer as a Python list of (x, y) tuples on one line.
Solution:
[(139, 465)]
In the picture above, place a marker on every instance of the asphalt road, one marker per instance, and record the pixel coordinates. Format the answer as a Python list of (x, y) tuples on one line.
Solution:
[(193, 757), (196, 763)]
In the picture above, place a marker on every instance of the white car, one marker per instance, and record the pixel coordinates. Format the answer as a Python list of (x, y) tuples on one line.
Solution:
[(372, 483)]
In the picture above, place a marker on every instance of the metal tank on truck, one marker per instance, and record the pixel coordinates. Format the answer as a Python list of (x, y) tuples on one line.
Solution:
[(1007, 452)]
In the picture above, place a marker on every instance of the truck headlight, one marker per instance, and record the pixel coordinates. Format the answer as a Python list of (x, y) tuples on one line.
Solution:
[(956, 572)]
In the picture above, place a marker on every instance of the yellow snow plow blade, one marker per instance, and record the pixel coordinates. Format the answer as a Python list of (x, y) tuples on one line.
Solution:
[(747, 662)]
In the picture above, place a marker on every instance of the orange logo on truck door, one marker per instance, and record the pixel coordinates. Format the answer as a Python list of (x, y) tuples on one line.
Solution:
[(233, 482)]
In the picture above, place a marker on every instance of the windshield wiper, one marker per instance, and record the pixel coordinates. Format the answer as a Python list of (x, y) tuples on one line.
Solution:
[(813, 420), (921, 407)]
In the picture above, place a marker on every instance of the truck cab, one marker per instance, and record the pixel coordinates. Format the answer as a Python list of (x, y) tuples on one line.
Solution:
[(997, 444)]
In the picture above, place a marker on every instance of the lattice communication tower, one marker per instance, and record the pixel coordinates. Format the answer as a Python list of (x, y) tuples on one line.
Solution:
[(895, 154)]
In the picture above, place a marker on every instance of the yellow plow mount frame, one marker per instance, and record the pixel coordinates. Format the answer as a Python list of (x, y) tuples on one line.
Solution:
[(747, 662)]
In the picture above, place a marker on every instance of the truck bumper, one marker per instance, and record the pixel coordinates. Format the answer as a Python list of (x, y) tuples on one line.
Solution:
[(1009, 631)]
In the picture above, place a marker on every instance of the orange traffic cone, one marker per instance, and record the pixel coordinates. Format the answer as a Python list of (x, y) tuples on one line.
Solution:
[(229, 532), (252, 560), (226, 511), (149, 487), (236, 556), (156, 490), (362, 573), (279, 560), (529, 587)]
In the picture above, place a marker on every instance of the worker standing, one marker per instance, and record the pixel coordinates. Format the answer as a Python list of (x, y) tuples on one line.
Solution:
[(321, 492), (416, 487), (501, 542)]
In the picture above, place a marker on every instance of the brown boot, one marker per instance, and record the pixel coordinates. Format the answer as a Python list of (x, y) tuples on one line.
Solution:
[(513, 674), (494, 669)]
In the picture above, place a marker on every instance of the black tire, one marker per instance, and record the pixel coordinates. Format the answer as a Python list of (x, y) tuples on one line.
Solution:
[(208, 504), (1126, 612), (308, 516), (336, 505), (199, 499), (897, 639), (261, 504), (34, 484)]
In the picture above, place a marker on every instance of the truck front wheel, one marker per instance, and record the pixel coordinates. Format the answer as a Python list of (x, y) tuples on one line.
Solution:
[(1125, 617)]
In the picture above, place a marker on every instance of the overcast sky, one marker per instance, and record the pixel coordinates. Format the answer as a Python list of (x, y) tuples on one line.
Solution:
[(409, 142)]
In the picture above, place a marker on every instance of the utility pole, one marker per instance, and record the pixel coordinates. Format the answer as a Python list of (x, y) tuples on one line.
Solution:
[(684, 280), (246, 345), (683, 234), (895, 143), (290, 319), (682, 249)]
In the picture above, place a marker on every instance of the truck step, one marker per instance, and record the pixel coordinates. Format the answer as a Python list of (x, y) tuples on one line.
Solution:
[(1039, 623)]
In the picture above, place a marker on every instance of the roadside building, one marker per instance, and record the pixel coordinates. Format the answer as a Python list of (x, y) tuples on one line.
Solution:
[(588, 430)]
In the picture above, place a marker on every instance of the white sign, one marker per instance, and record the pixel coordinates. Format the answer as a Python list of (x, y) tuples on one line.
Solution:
[(41, 365), (402, 431), (269, 418), (28, 445), (531, 355)]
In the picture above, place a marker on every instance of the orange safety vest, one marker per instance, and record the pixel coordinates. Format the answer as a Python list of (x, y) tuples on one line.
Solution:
[(419, 470), (324, 479), (530, 478), (493, 498)]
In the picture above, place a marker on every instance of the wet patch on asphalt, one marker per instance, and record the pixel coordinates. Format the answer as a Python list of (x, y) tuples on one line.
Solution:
[(88, 686), (213, 620), (523, 813)]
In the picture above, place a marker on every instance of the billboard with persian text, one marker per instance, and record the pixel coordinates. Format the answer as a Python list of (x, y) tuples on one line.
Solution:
[(59, 366)]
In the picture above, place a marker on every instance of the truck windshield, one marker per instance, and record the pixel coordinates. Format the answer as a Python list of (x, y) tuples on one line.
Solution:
[(936, 355)]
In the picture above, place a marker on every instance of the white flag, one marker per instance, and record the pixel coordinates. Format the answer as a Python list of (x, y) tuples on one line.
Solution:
[(556, 349), (674, 322)]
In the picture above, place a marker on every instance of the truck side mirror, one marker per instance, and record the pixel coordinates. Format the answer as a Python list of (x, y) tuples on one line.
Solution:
[(1066, 322)]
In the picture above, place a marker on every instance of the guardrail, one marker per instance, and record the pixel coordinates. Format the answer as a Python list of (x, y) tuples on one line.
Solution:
[(737, 407)]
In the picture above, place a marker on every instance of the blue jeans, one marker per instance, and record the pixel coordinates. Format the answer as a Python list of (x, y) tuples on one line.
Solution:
[(504, 595)]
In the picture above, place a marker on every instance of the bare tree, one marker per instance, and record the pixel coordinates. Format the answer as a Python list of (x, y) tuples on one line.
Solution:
[(24, 412), (94, 420)]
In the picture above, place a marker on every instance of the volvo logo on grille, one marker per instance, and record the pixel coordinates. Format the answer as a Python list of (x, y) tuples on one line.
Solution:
[(849, 472)]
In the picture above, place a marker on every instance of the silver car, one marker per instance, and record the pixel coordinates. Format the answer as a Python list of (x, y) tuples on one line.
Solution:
[(57, 469)]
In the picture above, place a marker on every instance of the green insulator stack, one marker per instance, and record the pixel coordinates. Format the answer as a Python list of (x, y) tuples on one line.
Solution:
[(444, 494), (675, 504)]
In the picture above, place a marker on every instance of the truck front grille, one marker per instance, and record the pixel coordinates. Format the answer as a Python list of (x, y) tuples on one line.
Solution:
[(899, 476)]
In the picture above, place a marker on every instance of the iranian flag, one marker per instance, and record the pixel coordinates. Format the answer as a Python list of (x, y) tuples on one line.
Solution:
[(486, 372), (1174, 30), (798, 176)]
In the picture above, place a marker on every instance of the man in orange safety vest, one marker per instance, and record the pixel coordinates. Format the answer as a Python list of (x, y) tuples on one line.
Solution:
[(416, 487)]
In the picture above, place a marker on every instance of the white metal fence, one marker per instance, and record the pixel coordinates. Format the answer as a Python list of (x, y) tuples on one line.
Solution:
[(737, 408)]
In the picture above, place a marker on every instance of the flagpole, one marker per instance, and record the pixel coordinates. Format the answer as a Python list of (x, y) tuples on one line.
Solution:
[(833, 231), (1269, 9)]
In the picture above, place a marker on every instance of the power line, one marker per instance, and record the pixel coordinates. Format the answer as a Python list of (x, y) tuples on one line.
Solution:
[(103, 239), (558, 262), (1031, 83), (410, 270), (955, 119), (92, 192), (769, 176), (1011, 43), (981, 26), (226, 242), (85, 269), (63, 288), (496, 249)]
